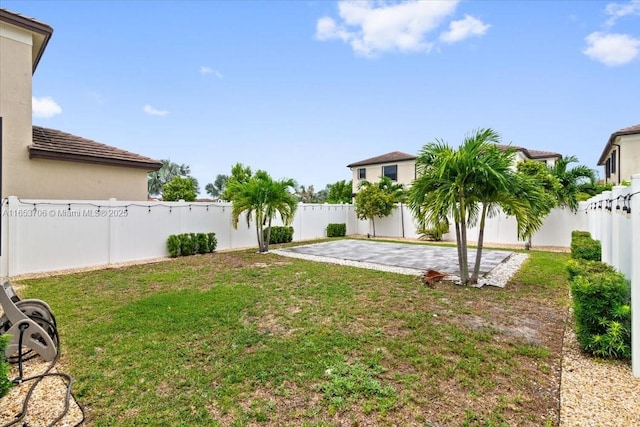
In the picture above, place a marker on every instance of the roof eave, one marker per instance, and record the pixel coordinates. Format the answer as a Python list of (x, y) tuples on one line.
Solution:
[(611, 142), (36, 153), (37, 27), (352, 165)]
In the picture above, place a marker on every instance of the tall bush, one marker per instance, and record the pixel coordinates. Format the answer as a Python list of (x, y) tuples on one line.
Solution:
[(337, 230), (279, 234), (5, 383), (602, 310), (584, 247), (191, 243)]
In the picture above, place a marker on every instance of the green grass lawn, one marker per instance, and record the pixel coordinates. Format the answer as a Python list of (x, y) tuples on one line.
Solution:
[(240, 338)]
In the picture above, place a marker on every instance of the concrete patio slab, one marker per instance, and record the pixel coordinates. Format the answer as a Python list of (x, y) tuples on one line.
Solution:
[(399, 255)]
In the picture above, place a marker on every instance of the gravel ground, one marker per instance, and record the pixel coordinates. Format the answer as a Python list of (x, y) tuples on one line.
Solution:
[(595, 392)]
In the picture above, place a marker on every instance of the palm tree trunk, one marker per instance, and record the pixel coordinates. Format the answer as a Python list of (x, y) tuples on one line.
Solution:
[(464, 268), (476, 267), (266, 244), (259, 231), (459, 244)]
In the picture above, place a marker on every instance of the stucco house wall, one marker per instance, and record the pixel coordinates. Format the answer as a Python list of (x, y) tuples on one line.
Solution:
[(621, 155), (15, 100), (373, 169)]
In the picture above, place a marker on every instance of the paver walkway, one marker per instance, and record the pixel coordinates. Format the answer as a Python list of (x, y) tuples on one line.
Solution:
[(402, 255)]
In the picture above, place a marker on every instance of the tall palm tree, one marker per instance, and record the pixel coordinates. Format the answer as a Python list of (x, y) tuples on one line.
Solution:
[(169, 170), (263, 198), (467, 185), (570, 180)]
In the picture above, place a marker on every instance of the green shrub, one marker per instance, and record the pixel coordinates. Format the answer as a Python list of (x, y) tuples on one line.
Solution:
[(434, 233), (582, 267), (191, 243), (5, 383), (173, 246), (203, 243), (602, 310), (337, 230), (188, 244), (575, 234), (279, 234), (584, 247), (213, 242)]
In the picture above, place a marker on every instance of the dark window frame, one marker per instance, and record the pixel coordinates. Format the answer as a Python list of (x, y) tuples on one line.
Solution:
[(362, 173), (607, 168), (613, 161), (391, 175)]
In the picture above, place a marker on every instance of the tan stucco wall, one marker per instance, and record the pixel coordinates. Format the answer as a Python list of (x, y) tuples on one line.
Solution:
[(40, 178), (55, 179), (15, 102), (629, 156), (406, 173)]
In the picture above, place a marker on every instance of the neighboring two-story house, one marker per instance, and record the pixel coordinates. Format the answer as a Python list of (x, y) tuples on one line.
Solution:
[(45, 163), (621, 155), (401, 167)]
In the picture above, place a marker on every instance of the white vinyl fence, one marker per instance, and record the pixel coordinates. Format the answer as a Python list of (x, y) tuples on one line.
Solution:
[(50, 235), (613, 217)]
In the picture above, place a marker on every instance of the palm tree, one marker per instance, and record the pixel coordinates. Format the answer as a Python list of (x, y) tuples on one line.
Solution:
[(216, 188), (570, 180), (169, 170), (467, 185), (264, 198)]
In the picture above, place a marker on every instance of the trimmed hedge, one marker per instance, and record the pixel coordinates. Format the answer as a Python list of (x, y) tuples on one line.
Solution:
[(5, 383), (602, 310), (191, 243), (583, 267), (337, 230), (601, 300), (584, 247), (278, 234)]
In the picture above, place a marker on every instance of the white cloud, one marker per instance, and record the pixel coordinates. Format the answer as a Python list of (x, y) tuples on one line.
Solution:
[(612, 49), (95, 96), (619, 10), (206, 70), (463, 29), (44, 107), (153, 112), (385, 27)]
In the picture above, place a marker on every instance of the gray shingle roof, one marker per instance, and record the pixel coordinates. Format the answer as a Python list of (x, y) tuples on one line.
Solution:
[(57, 145), (394, 156), (531, 154)]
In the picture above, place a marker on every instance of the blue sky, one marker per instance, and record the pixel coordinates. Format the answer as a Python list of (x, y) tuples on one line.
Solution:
[(303, 88)]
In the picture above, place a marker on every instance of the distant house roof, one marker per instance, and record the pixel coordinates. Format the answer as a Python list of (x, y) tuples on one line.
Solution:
[(531, 154), (41, 33), (631, 130), (394, 156), (56, 145)]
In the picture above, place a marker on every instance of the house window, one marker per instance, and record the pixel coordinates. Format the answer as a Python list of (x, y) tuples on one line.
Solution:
[(613, 161), (362, 173), (607, 168), (390, 172)]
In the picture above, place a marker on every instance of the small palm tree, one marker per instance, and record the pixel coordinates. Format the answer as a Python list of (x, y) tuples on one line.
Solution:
[(467, 185), (263, 198), (570, 180)]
